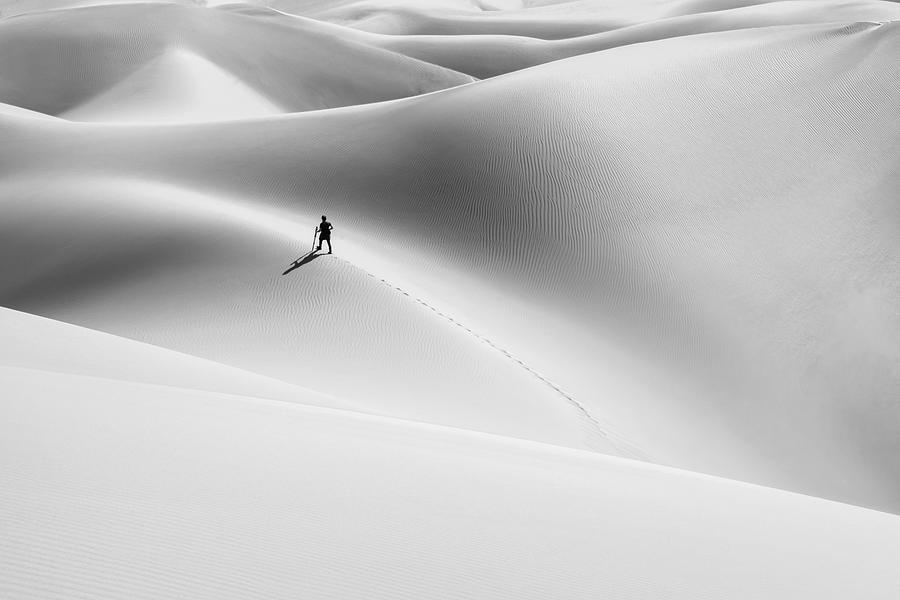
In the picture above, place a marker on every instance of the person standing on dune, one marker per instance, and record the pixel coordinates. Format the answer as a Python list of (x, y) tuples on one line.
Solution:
[(324, 230)]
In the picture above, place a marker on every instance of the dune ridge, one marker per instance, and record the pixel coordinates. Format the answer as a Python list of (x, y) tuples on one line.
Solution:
[(170, 62), (554, 20), (242, 495), (487, 56)]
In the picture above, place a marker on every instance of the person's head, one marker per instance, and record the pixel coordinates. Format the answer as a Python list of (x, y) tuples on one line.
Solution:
[(323, 217)]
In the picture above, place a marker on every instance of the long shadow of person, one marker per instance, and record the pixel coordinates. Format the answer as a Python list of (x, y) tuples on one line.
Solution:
[(303, 260)]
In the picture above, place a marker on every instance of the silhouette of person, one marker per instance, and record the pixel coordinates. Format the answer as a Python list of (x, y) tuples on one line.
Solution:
[(324, 230)]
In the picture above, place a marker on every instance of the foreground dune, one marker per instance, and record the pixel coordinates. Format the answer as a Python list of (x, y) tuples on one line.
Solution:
[(558, 294), (114, 489), (50, 346)]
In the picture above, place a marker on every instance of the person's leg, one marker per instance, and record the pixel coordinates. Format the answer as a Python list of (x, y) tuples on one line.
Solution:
[(319, 247), (329, 245)]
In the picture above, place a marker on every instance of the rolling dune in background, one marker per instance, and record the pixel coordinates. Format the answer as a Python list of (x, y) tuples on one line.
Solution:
[(162, 62), (490, 55), (661, 231)]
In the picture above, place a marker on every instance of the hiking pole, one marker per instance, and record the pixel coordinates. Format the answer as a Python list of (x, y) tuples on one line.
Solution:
[(315, 231)]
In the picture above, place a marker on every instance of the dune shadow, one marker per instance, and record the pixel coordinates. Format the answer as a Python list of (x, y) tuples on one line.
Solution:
[(303, 260)]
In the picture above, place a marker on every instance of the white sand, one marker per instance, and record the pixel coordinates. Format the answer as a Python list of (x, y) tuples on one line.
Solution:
[(672, 240), (167, 62), (41, 344), (115, 490)]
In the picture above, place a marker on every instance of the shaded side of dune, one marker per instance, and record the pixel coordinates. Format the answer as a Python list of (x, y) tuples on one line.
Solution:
[(167, 62)]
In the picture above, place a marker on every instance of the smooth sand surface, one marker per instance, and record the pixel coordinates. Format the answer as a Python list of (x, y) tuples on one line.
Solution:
[(114, 489), (168, 62), (559, 293)]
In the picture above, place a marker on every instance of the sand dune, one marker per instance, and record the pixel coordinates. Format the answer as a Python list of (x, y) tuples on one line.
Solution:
[(484, 55), (160, 62), (586, 213), (212, 496), (10, 8), (655, 230), (550, 21), (202, 275), (456, 17), (9, 109), (490, 55), (176, 86)]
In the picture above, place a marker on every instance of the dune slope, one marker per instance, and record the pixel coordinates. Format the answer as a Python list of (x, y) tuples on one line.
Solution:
[(43, 345), (213, 496), (562, 20), (213, 277), (490, 55), (167, 62)]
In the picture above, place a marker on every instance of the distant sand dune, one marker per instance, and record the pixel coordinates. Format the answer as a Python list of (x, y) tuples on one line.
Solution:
[(177, 86), (11, 8), (489, 55), (556, 20), (454, 17), (177, 63)]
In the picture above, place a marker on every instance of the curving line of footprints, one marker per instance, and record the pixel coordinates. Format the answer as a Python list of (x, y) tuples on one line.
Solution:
[(623, 446)]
